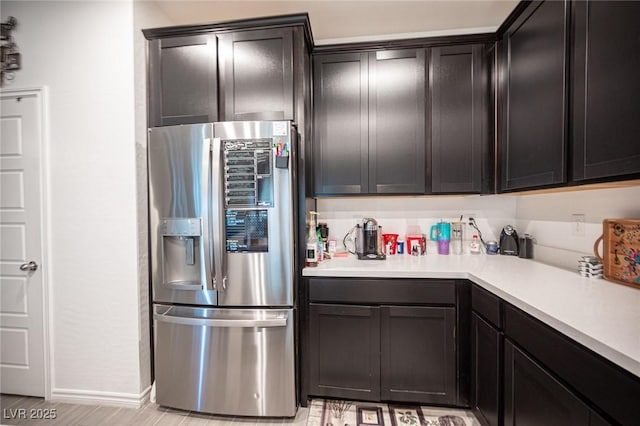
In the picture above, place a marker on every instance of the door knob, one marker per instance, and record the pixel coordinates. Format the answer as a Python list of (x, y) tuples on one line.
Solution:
[(31, 266)]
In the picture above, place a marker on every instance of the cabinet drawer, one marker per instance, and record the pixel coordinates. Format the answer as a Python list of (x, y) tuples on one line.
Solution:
[(487, 305), (378, 291)]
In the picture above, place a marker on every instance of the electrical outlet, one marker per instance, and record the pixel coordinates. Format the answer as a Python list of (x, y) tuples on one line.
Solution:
[(577, 225)]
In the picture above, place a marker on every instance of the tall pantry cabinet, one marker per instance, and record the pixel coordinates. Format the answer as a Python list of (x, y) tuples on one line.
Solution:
[(254, 69)]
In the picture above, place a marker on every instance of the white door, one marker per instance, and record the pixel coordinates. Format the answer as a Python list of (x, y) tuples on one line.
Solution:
[(21, 251)]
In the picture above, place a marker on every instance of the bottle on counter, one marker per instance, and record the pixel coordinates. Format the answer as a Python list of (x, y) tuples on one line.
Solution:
[(320, 246), (379, 243), (324, 235), (474, 245), (332, 246), (311, 257), (359, 240)]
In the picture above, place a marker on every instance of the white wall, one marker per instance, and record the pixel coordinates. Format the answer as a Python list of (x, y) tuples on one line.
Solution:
[(548, 217), (83, 53), (146, 15)]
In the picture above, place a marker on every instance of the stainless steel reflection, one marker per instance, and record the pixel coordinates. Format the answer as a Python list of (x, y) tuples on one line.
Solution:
[(235, 362), (266, 278), (217, 219), (179, 213), (221, 222)]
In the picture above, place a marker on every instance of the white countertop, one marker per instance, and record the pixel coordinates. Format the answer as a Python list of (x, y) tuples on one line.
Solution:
[(602, 315)]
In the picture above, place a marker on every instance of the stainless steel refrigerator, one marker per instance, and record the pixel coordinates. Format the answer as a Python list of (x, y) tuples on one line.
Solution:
[(221, 213)]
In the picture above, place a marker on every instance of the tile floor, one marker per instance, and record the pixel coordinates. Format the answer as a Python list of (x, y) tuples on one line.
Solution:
[(149, 414)]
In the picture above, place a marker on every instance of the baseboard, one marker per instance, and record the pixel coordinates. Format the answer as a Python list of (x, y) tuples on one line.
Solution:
[(111, 399)]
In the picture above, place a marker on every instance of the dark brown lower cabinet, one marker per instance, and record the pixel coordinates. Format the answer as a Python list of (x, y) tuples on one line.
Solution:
[(383, 353), (418, 362), (596, 420), (486, 363), (344, 351), (532, 397)]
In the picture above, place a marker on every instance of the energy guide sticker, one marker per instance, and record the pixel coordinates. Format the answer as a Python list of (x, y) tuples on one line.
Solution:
[(280, 128)]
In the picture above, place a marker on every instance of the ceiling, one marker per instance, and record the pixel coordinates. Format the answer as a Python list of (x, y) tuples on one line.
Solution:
[(335, 21)]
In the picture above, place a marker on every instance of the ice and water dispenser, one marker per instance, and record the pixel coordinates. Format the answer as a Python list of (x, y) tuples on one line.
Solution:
[(182, 251)]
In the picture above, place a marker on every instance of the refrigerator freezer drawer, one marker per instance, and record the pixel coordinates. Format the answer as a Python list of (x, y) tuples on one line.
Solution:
[(224, 361)]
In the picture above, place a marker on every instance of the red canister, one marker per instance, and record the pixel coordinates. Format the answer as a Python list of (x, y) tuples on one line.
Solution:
[(390, 242), (414, 245)]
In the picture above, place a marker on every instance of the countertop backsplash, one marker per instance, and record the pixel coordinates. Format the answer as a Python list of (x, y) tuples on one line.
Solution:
[(547, 217), (415, 215)]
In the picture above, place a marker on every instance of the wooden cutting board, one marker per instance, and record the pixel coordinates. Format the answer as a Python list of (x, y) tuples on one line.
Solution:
[(621, 250)]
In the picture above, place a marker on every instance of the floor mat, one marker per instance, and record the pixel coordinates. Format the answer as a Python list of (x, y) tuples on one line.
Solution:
[(354, 413)]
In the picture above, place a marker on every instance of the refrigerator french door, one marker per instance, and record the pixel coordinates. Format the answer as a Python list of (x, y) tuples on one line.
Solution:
[(221, 214)]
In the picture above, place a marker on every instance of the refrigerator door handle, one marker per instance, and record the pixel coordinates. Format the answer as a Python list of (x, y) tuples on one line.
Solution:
[(206, 164), (217, 219), (280, 321)]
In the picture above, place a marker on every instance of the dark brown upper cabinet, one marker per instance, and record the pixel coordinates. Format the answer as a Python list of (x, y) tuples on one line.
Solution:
[(341, 152), (370, 122), (397, 121), (458, 118), (183, 82), (256, 75), (606, 89), (533, 97)]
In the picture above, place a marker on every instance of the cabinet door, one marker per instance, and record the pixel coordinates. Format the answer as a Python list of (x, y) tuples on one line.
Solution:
[(183, 81), (533, 397), (606, 89), (256, 75), (457, 108), (486, 345), (532, 108), (418, 362), (397, 120), (596, 420), (344, 351), (340, 124)]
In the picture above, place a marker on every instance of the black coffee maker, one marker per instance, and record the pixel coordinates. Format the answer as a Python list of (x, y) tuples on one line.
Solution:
[(371, 241), (509, 241)]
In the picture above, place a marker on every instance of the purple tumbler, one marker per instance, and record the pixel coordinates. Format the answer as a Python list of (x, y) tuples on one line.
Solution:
[(441, 232)]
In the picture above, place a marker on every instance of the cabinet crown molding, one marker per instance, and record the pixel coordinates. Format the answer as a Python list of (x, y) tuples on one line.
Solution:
[(275, 21)]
